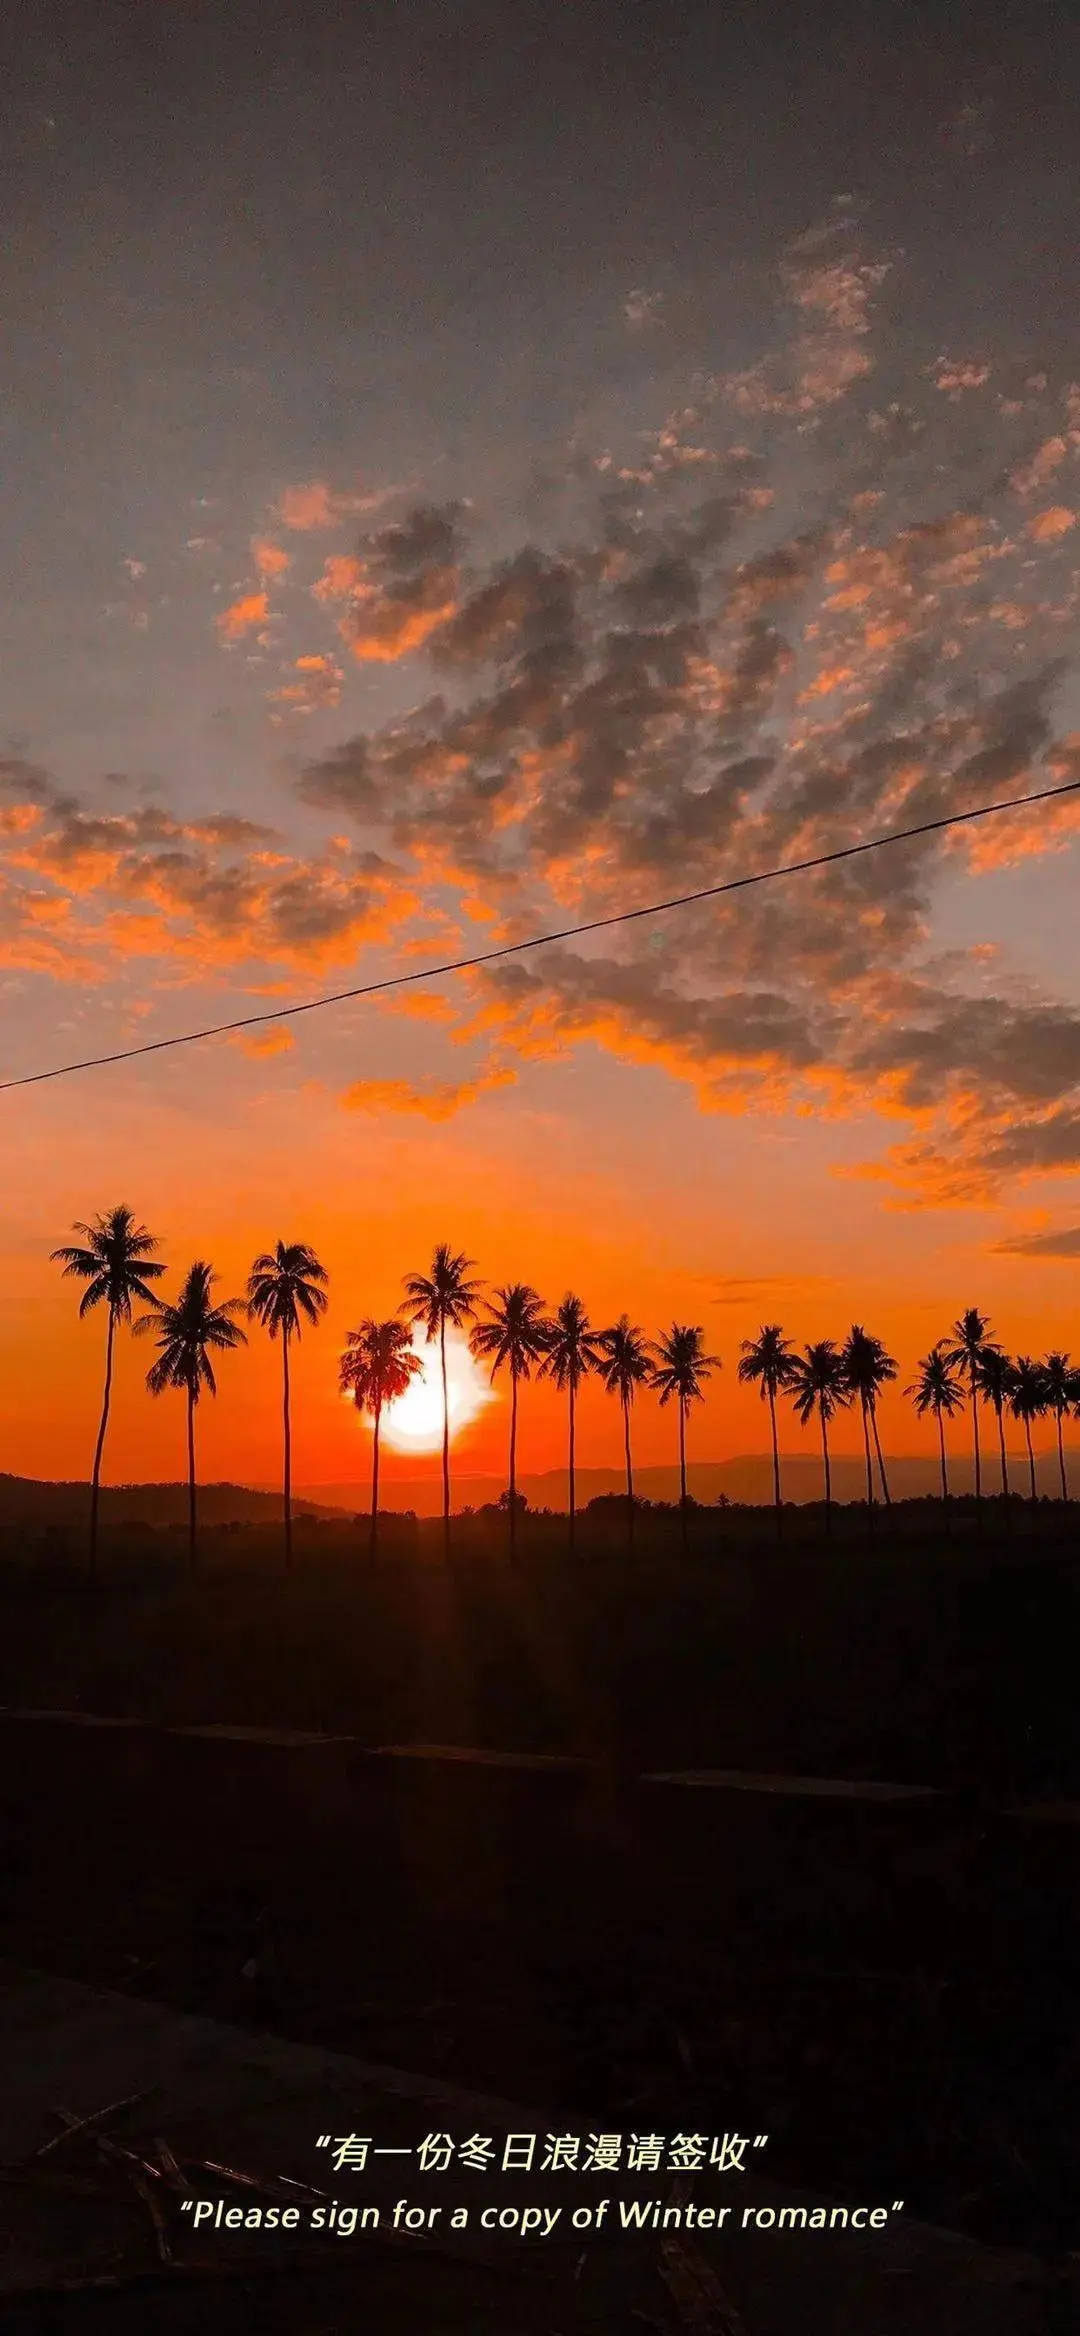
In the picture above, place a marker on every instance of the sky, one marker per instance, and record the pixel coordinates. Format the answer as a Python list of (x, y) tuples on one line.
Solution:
[(465, 474)]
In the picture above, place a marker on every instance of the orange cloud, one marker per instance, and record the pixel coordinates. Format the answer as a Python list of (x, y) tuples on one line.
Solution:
[(393, 626), (435, 1103), (208, 893), (244, 616), (1044, 462), (1049, 526), (314, 506), (260, 1043), (954, 377), (269, 559), (307, 507), (318, 684)]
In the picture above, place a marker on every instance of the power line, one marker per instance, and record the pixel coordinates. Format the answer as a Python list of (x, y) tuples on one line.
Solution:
[(624, 916)]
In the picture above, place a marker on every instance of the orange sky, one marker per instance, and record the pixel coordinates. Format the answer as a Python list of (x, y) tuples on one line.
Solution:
[(719, 1221)]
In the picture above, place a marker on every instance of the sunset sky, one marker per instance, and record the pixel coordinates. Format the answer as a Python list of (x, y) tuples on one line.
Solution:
[(470, 470)]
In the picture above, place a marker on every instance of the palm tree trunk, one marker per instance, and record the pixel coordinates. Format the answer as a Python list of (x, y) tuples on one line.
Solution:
[(1004, 1462), (1031, 1457), (776, 1465), (944, 1469), (96, 1475), (287, 1428), (375, 1481), (513, 1458), (881, 1463), (828, 1474), (975, 1434), (571, 1459), (191, 1477), (682, 1469), (445, 1441), (869, 1462), (1061, 1460), (629, 1473)]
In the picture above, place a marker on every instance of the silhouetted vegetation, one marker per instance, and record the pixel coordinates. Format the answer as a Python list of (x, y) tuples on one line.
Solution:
[(288, 1287)]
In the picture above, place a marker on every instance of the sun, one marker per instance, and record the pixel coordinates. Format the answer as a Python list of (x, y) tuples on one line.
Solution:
[(415, 1422)]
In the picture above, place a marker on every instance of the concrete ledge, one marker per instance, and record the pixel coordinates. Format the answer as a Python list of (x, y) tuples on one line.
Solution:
[(741, 1780), (474, 1758)]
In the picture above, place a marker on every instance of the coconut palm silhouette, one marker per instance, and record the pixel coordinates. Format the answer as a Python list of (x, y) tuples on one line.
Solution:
[(625, 1364), (938, 1389), (817, 1384), (867, 1369), (571, 1350), (1028, 1400), (513, 1335), (187, 1333), (286, 1288), (767, 1363), (963, 1349), (994, 1379), (1061, 1381), (681, 1366), (437, 1300), (115, 1260), (377, 1368)]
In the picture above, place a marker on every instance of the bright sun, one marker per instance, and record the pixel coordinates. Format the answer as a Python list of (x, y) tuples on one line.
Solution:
[(415, 1422)]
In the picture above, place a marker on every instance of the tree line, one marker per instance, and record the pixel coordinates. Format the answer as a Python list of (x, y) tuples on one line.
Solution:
[(512, 1332)]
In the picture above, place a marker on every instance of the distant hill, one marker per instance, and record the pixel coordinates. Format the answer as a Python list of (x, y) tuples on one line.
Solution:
[(38, 1502), (28, 1500), (747, 1479)]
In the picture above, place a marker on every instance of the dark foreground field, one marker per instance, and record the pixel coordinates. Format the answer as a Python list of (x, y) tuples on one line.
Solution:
[(911, 1653), (889, 1990)]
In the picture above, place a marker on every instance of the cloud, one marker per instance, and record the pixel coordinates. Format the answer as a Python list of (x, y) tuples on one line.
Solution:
[(1051, 1246), (954, 377), (699, 658), (243, 616), (435, 1102), (269, 560), (685, 690), (401, 587), (1049, 526), (746, 1290), (308, 508), (832, 291), (315, 507), (81, 890), (317, 685), (264, 1043)]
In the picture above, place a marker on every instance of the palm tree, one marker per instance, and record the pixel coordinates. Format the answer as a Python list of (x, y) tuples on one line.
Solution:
[(571, 1349), (1028, 1399), (287, 1287), (994, 1375), (514, 1335), (970, 1334), (625, 1364), (681, 1365), (376, 1368), (768, 1362), (817, 1383), (939, 1389), (867, 1367), (1061, 1380), (114, 1259), (185, 1334), (442, 1297)]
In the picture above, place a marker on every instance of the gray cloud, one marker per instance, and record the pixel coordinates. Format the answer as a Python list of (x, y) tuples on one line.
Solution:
[(1050, 1246)]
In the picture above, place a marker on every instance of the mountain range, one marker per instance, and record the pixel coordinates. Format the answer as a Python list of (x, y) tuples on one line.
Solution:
[(40, 1502)]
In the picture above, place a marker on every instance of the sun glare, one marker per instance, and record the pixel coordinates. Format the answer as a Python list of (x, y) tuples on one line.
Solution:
[(415, 1422)]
